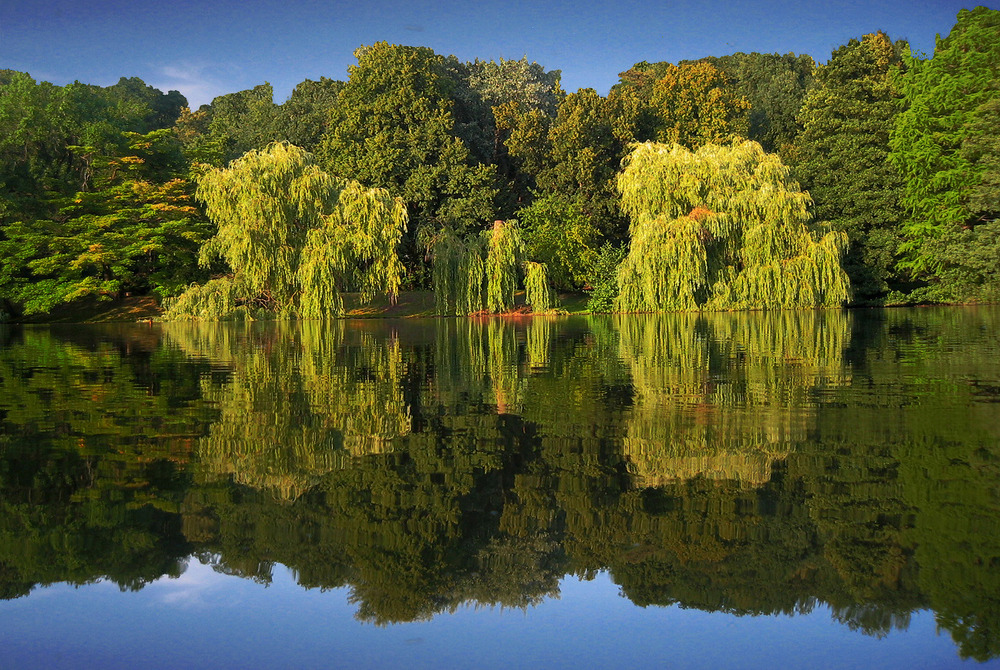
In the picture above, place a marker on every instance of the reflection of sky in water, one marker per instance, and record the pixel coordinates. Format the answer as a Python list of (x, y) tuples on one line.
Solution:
[(206, 619)]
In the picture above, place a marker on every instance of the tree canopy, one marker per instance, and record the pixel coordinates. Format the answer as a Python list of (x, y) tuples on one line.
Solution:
[(949, 96), (841, 156)]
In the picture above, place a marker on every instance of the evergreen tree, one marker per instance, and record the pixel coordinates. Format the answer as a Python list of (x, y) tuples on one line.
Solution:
[(948, 95), (841, 156)]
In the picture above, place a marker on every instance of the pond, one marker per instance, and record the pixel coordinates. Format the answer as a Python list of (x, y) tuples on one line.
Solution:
[(809, 488)]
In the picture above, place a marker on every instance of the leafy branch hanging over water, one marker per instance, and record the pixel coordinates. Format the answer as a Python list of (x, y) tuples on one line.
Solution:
[(295, 239), (478, 273)]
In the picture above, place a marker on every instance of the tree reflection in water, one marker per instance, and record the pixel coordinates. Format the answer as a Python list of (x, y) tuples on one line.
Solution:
[(752, 463)]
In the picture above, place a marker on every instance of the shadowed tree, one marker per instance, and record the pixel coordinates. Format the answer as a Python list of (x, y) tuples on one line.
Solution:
[(841, 156)]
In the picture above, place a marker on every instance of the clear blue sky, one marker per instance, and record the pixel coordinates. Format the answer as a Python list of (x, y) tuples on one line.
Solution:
[(207, 48)]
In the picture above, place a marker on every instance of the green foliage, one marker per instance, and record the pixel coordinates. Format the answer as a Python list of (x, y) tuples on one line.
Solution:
[(92, 196), (841, 156), (603, 279), (504, 251), (393, 127), (775, 86), (722, 228), (581, 158), (136, 229), (526, 84), (946, 96), (294, 237), (243, 121), (695, 105), (478, 272), (537, 291), (305, 117), (691, 104), (557, 234), (981, 147), (458, 273), (511, 102), (967, 266)]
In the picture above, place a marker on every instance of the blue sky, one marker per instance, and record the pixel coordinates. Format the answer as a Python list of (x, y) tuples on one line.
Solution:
[(206, 48)]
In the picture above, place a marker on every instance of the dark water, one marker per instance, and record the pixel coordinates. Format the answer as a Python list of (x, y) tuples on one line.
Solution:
[(805, 489)]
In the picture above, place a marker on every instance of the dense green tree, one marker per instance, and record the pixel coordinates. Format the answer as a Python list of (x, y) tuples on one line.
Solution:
[(557, 234), (305, 116), (841, 156), (526, 84), (582, 158), (135, 229), (692, 103), (294, 238), (48, 133), (603, 279), (36, 162), (243, 121), (156, 108), (510, 94), (393, 127), (722, 228), (775, 86), (481, 273), (948, 97)]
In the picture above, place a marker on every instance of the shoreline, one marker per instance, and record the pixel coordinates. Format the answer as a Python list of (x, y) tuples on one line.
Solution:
[(408, 305)]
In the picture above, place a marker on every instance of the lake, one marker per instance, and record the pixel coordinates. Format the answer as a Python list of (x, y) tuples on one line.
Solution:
[(812, 489)]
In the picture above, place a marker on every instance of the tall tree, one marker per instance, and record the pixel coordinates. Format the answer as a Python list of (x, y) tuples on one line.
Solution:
[(948, 95), (841, 156), (722, 228), (583, 155), (393, 128), (510, 94)]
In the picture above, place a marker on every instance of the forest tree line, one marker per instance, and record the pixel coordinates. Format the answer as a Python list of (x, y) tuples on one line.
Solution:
[(746, 181)]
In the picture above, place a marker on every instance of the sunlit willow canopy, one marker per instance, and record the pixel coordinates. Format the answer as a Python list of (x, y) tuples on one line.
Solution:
[(294, 237), (480, 272), (723, 227)]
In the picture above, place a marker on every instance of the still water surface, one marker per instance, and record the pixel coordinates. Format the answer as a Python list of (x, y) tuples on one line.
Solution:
[(807, 489)]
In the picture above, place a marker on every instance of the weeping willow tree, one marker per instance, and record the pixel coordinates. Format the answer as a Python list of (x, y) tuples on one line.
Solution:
[(537, 292), (722, 228), (458, 273), (294, 238), (481, 272), (504, 250)]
